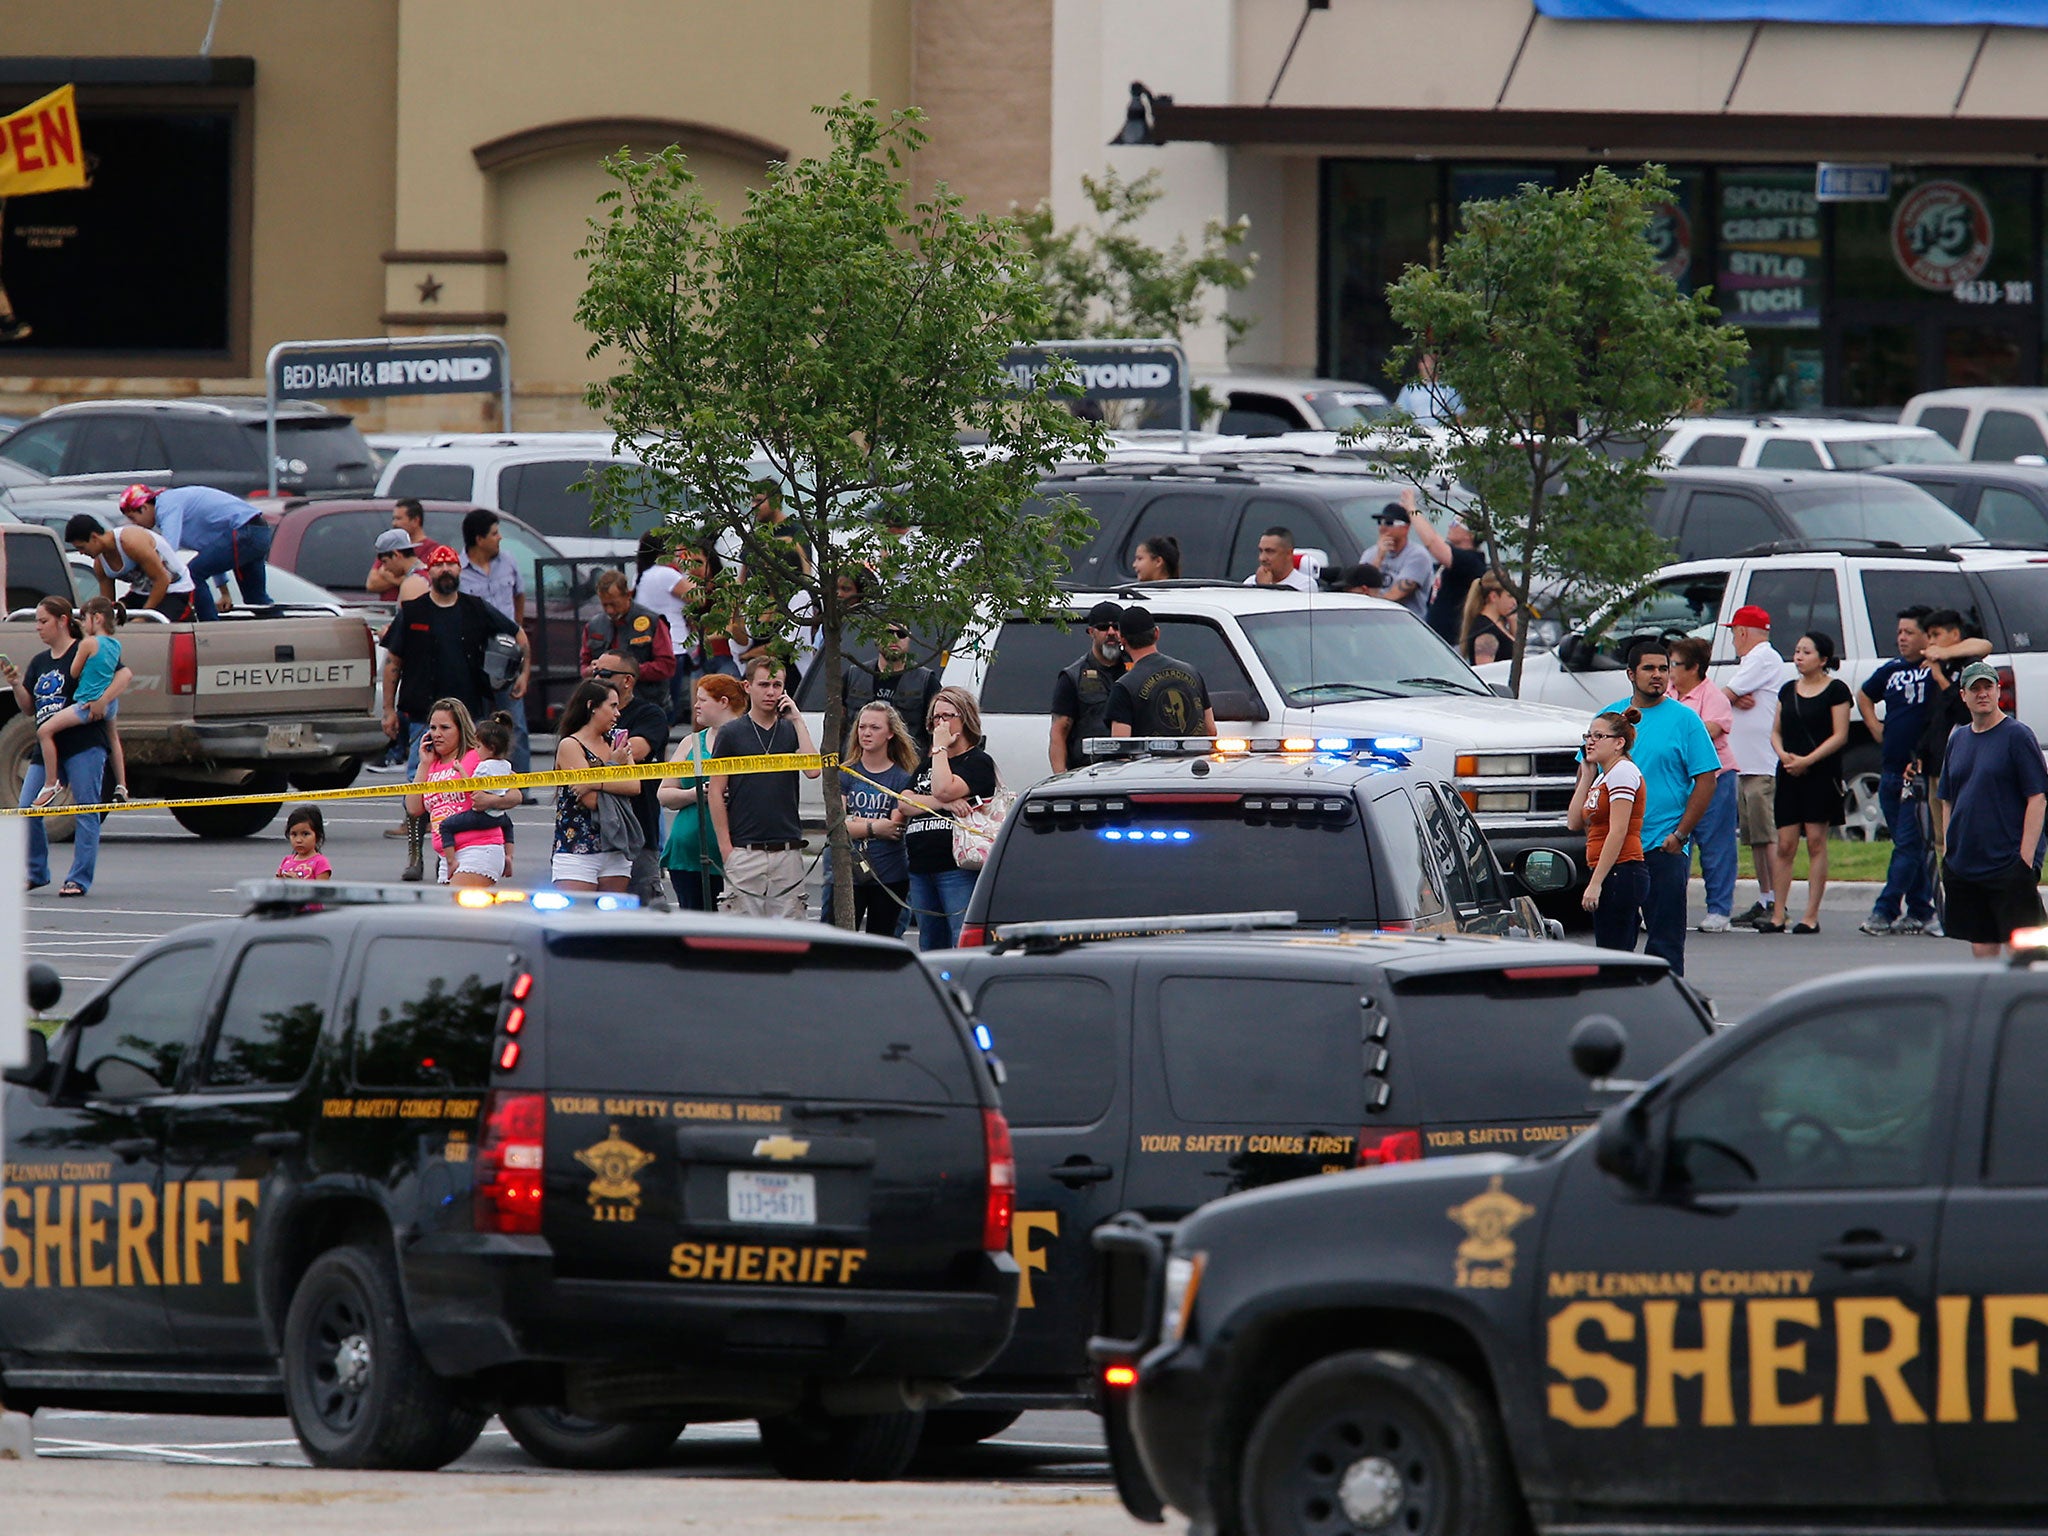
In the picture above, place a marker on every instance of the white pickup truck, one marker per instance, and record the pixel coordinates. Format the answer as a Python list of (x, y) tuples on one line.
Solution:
[(1281, 662), (1854, 596)]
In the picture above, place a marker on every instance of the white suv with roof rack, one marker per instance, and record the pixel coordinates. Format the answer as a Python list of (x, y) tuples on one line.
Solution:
[(1800, 442), (1287, 663)]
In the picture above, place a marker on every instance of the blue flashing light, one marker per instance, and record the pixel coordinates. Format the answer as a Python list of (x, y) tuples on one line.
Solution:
[(1112, 834), (1397, 743), (549, 901), (983, 1038), (1140, 835), (1181, 837), (1332, 743), (1158, 835)]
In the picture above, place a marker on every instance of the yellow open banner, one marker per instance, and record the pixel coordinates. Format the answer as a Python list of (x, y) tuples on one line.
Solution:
[(39, 147)]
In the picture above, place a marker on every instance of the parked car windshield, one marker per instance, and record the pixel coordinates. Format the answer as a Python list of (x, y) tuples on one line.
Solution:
[(1338, 409), (1876, 512), (1869, 452), (1330, 654)]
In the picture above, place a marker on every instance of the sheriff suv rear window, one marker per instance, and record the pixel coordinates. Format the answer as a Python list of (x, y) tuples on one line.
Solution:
[(1233, 854), (1494, 1044), (702, 1015)]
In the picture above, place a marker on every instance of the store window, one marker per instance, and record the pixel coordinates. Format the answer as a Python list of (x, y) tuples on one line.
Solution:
[(1380, 219)]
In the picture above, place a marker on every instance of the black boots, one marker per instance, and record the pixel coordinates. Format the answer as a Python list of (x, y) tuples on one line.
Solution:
[(415, 848)]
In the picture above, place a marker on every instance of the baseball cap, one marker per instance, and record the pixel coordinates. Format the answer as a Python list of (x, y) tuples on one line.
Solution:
[(1105, 616), (1392, 512), (1978, 672), (137, 496), (1749, 616), (394, 541), (439, 554), (1137, 624)]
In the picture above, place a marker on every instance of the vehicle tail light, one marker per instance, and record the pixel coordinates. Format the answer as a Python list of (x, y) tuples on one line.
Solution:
[(509, 1163), (1120, 1377), (1002, 1182), (2008, 697), (184, 663), (1380, 1145), (973, 935), (1397, 924)]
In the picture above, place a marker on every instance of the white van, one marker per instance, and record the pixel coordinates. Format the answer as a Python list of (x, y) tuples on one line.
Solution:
[(532, 475), (2000, 426)]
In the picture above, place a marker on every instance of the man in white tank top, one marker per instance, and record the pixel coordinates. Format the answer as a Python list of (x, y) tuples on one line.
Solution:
[(139, 556)]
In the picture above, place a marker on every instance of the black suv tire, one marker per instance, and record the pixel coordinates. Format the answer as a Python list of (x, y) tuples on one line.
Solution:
[(1376, 1439), (554, 1437), (809, 1446), (359, 1392)]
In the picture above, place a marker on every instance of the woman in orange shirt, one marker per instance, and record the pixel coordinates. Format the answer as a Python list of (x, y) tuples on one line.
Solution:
[(1608, 804)]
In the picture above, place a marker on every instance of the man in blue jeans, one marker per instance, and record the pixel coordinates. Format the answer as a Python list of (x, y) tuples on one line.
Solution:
[(1906, 904), (1679, 766), (224, 533)]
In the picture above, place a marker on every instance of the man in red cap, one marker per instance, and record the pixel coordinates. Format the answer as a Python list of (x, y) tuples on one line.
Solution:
[(1753, 690), (434, 649)]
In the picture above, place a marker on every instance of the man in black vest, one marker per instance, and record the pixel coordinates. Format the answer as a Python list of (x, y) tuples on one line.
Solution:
[(1080, 694), (891, 679)]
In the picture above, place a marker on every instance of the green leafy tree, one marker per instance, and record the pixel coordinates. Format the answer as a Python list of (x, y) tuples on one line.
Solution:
[(1568, 351), (1104, 281), (839, 344)]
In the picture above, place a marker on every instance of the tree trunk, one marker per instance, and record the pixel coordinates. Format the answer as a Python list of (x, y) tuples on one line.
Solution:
[(1529, 546), (838, 847)]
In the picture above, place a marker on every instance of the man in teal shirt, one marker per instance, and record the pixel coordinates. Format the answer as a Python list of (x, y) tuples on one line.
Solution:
[(1678, 763)]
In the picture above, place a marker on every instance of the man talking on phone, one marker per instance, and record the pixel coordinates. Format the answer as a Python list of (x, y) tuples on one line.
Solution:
[(760, 839)]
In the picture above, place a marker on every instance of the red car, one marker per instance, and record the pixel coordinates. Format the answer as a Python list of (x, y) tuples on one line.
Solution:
[(331, 543)]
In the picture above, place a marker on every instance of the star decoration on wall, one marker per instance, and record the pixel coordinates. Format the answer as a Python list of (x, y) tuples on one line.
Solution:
[(430, 290)]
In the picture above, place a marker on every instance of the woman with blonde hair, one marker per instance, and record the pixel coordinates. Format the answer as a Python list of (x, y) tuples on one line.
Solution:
[(448, 750), (958, 774), (1488, 623), (881, 749)]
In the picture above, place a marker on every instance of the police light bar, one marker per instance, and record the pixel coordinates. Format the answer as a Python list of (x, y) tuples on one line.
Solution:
[(319, 895), (1112, 747), (1088, 930)]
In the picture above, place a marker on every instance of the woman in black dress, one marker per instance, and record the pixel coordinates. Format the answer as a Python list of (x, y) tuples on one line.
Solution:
[(1811, 731)]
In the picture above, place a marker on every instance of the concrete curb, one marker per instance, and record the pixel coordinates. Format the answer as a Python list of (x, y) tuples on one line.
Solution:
[(17, 1437)]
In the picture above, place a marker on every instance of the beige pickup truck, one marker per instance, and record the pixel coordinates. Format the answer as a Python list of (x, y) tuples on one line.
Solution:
[(242, 705)]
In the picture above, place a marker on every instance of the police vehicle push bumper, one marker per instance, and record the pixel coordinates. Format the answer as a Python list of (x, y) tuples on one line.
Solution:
[(482, 1300)]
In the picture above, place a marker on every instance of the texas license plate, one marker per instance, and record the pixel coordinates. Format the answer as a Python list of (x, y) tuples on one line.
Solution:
[(286, 738), (772, 1199)]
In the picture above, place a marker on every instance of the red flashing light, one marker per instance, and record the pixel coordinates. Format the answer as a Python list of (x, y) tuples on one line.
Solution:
[(1379, 1146), (508, 1058), (1550, 972), (973, 935), (748, 946), (1002, 1182), (522, 986), (2008, 696), (509, 1163), (515, 1021), (184, 668), (1119, 1376)]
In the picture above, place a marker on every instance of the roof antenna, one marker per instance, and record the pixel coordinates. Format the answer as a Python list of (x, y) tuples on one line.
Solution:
[(206, 42)]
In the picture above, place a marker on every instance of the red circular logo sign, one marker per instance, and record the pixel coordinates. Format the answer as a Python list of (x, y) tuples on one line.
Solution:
[(1941, 235), (1670, 239)]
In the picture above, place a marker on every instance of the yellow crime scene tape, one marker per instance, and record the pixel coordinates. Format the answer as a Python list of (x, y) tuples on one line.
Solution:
[(782, 762)]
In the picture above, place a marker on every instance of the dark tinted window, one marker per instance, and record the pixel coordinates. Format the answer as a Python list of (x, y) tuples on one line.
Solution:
[(1026, 660), (1719, 523), (1800, 599), (1869, 509), (1716, 451), (1886, 592), (276, 1007), (194, 443), (1472, 848), (1443, 846), (1262, 1051), (1947, 492), (35, 569), (150, 1020), (1202, 521), (2017, 1152), (2004, 435), (1476, 1045), (1317, 865), (1844, 1099), (336, 549), (433, 482), (2022, 602), (112, 441), (1683, 605), (1947, 420), (2011, 516), (1057, 1038), (321, 455), (547, 497), (1789, 453), (1244, 421), (1099, 562), (1203, 647), (1311, 527), (426, 1011), (41, 444), (1409, 869), (830, 1023)]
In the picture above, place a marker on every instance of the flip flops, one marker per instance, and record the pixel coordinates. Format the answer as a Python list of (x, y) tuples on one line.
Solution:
[(71, 888)]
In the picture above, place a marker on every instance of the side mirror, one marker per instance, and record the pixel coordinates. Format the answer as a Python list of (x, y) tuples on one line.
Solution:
[(1597, 1043), (35, 1072), (45, 987), (1621, 1147), (1543, 870), (1501, 690)]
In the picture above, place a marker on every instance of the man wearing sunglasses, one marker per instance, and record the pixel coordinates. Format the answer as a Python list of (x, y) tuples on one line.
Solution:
[(1080, 694), (891, 679)]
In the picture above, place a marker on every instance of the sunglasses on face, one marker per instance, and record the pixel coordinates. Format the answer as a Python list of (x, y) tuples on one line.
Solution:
[(607, 672)]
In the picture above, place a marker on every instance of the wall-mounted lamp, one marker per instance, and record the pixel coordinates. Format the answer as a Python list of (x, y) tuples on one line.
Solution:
[(1137, 128)]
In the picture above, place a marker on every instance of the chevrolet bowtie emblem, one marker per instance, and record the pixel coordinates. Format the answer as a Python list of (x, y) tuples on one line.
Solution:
[(779, 1148)]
